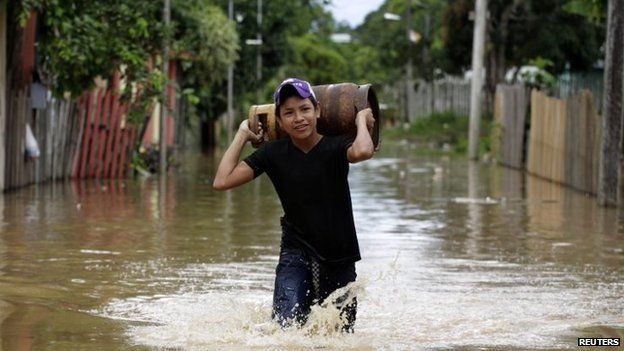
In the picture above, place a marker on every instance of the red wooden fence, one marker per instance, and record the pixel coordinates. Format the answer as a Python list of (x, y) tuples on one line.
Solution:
[(107, 140)]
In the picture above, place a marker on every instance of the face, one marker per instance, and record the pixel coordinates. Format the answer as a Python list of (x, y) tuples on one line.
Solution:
[(298, 117)]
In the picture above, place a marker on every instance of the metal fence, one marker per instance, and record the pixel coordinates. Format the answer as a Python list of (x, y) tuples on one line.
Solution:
[(572, 83)]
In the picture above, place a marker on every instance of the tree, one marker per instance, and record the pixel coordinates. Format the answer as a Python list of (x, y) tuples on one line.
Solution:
[(389, 38), (81, 39), (611, 150), (522, 30)]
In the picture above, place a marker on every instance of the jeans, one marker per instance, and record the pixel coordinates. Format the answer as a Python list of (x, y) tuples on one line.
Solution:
[(301, 281)]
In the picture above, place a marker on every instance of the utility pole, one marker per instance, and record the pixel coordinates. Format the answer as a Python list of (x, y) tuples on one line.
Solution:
[(259, 52), (409, 84), (478, 44), (230, 85), (427, 61), (164, 107), (609, 173)]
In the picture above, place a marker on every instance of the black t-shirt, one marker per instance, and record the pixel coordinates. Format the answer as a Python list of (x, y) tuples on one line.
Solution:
[(314, 192)]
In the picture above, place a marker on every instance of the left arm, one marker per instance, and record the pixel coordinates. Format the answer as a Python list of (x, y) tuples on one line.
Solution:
[(362, 148)]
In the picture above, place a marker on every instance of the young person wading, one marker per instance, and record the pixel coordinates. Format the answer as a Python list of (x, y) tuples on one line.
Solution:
[(309, 172)]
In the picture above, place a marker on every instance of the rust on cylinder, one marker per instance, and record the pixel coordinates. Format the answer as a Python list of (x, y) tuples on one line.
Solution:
[(339, 104)]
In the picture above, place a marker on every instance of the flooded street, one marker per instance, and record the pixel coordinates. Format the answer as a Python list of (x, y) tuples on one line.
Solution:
[(455, 256)]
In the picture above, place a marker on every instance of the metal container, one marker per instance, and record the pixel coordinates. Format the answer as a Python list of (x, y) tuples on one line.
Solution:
[(339, 104)]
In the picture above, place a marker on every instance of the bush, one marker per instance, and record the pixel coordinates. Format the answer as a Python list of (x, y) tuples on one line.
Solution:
[(440, 129)]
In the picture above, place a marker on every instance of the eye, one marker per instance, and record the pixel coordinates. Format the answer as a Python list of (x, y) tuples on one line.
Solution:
[(305, 109)]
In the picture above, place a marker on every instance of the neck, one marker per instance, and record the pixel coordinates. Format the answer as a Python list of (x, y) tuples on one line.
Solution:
[(307, 144)]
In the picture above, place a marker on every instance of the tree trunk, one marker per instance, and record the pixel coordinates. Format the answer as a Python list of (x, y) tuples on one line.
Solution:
[(608, 183)]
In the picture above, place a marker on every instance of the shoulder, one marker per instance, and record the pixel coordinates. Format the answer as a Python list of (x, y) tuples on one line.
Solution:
[(339, 141), (273, 146)]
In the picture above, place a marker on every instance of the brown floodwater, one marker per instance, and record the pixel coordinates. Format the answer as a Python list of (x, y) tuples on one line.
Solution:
[(456, 255)]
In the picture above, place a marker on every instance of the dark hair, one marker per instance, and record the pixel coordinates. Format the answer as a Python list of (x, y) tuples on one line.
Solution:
[(290, 91)]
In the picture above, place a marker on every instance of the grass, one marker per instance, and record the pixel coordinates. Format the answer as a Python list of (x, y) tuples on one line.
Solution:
[(444, 132)]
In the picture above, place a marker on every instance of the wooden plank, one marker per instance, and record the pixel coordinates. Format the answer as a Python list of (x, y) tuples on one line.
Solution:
[(77, 142), (117, 142), (533, 133), (40, 134), (498, 129), (60, 128), (66, 133), (123, 152), (104, 130), (112, 128), (12, 134), (21, 133), (86, 141), (92, 162), (131, 148), (56, 108), (72, 125)]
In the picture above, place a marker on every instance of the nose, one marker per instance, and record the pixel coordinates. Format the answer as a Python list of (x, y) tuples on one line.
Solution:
[(298, 116)]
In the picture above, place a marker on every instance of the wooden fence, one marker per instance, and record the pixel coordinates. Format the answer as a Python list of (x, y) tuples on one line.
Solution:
[(56, 130), (510, 108), (107, 140), (449, 94), (564, 142), (19, 170), (87, 138)]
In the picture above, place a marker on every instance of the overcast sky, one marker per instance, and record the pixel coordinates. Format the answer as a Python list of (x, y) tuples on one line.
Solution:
[(353, 12)]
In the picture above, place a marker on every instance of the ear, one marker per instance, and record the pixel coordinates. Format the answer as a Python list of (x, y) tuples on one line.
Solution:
[(318, 109)]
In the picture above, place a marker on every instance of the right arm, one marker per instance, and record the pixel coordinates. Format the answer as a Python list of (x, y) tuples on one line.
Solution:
[(232, 172)]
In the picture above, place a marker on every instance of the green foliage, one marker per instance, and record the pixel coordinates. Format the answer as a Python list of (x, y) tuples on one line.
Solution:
[(594, 10), (389, 38), (440, 130), (207, 44), (82, 39), (315, 61), (533, 28), (539, 79)]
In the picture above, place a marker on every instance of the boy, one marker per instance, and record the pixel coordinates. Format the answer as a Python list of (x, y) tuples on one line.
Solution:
[(309, 172)]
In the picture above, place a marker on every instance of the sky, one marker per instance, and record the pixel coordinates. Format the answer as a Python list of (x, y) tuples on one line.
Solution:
[(353, 12)]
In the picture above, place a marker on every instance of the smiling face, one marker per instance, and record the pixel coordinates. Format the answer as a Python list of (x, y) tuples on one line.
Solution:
[(297, 117)]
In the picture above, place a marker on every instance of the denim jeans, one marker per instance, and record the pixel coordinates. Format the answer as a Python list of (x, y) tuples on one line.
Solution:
[(300, 282)]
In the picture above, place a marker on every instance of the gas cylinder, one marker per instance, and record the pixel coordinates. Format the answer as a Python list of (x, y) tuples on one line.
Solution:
[(339, 104)]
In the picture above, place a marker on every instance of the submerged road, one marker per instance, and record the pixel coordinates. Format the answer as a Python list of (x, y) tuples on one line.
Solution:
[(455, 256)]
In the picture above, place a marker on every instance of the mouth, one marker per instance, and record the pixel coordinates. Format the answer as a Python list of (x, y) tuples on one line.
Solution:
[(301, 127)]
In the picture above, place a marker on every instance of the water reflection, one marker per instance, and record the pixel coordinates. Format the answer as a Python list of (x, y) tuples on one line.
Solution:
[(455, 255)]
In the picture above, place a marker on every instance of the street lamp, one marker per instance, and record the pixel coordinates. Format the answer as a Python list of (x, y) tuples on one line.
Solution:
[(391, 16)]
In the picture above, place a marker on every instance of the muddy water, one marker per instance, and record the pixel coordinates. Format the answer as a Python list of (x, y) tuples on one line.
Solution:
[(455, 256)]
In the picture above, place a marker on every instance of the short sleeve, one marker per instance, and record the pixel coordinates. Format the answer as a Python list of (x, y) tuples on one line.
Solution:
[(344, 143), (258, 161)]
